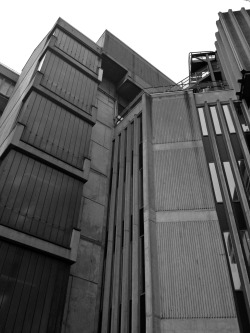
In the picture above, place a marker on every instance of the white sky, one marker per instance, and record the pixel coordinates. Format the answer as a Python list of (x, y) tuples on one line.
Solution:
[(162, 31)]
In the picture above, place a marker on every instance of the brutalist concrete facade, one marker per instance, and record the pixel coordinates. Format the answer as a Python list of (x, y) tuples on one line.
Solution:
[(124, 196)]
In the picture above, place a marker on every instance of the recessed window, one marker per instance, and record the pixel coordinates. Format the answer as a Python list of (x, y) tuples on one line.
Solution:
[(230, 181), (215, 120), (202, 121), (228, 119), (232, 261), (215, 182)]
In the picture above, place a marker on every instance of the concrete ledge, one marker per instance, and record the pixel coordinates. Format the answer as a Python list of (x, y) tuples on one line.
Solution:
[(200, 325), (186, 215), (18, 237), (213, 96), (177, 145)]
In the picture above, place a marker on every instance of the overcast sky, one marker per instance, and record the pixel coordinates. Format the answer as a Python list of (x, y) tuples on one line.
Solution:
[(162, 31)]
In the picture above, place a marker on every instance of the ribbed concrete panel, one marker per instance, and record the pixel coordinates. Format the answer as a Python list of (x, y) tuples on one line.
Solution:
[(54, 130), (69, 83), (181, 180), (243, 19), (32, 290), (76, 50), (37, 199), (193, 276), (174, 120), (236, 27)]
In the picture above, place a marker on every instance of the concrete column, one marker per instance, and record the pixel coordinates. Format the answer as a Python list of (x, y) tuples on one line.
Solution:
[(117, 255), (229, 211), (240, 135), (135, 241), (125, 297), (109, 256), (235, 169), (149, 213)]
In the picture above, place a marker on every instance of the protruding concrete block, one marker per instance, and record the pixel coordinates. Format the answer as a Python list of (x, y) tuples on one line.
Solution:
[(92, 220), (88, 261)]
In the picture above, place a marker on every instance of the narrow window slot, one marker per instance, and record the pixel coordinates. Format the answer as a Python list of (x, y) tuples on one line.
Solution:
[(215, 183), (215, 120), (230, 181), (202, 121), (229, 120)]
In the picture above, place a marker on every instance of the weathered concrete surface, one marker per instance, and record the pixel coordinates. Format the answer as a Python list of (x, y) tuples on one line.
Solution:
[(81, 310), (106, 105), (95, 188), (92, 219), (99, 158), (84, 290), (88, 260), (102, 135)]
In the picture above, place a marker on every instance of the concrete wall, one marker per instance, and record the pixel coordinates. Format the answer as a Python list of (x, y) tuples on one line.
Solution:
[(188, 283), (84, 289)]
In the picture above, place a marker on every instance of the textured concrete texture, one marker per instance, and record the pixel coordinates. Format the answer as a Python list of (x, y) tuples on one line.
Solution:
[(88, 261), (186, 215), (92, 220), (81, 310), (106, 106), (95, 188), (221, 325), (99, 158), (102, 135)]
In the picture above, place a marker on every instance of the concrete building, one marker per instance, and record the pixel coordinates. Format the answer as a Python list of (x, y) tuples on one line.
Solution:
[(124, 200)]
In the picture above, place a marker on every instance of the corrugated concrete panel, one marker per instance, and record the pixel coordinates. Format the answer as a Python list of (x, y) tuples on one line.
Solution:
[(173, 119), (76, 50), (8, 119), (193, 276), (37, 199), (54, 130), (68, 82), (203, 325), (181, 180), (133, 61), (32, 290)]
